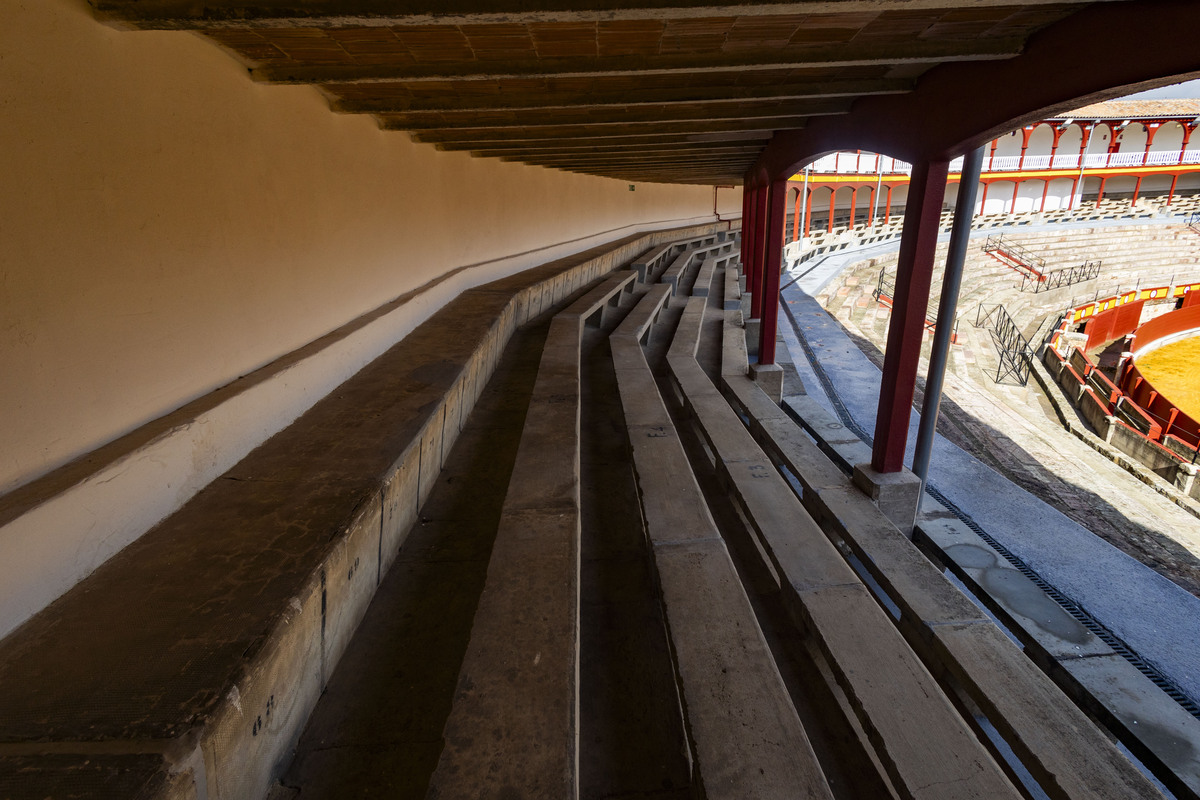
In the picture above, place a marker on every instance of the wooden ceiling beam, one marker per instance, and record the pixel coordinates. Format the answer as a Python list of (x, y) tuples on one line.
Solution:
[(433, 135), (188, 14), (598, 140), (455, 104), (550, 153), (782, 115), (920, 51), (740, 163)]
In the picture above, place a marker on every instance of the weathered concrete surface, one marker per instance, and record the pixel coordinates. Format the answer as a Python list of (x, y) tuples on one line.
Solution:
[(770, 378), (746, 736), (514, 727), (234, 594), (895, 493), (377, 729), (1049, 732), (891, 691), (97, 776)]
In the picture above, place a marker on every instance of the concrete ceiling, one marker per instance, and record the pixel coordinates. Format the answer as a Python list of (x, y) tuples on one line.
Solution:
[(675, 91)]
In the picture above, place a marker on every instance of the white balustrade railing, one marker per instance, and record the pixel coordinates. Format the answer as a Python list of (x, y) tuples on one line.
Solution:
[(870, 164)]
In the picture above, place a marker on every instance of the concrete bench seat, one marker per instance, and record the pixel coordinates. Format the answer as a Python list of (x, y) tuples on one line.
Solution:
[(514, 719), (746, 736), (187, 664), (890, 690), (637, 322), (1065, 752), (710, 258)]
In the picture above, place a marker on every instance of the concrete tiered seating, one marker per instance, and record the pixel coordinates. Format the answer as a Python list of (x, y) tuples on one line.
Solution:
[(238, 606), (244, 600), (512, 723)]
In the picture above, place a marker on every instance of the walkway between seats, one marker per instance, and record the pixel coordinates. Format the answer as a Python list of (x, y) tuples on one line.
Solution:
[(1153, 616)]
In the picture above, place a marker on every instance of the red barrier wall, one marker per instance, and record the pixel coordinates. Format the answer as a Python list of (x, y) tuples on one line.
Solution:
[(1140, 391), (1114, 323)]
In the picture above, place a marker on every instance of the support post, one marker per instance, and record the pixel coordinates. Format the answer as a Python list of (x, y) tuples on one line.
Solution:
[(760, 250), (772, 264), (960, 235), (914, 272), (751, 240), (745, 220)]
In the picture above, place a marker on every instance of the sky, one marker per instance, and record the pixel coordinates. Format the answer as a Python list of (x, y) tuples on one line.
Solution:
[(1186, 89)]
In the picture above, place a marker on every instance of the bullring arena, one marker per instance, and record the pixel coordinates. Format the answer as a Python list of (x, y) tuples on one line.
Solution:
[(507, 399)]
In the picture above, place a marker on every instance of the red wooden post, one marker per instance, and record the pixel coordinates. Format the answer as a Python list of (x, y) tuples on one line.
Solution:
[(772, 265), (887, 207), (746, 194), (853, 208), (1171, 194), (832, 199), (1100, 194), (1137, 187), (796, 216), (748, 238), (983, 200), (760, 250), (808, 212), (914, 272)]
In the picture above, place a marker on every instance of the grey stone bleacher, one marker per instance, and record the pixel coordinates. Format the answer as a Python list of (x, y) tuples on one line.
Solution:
[(1053, 738), (747, 738), (512, 722), (890, 691), (239, 604)]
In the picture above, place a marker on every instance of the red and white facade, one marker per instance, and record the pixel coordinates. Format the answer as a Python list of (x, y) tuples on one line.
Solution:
[(1124, 149)]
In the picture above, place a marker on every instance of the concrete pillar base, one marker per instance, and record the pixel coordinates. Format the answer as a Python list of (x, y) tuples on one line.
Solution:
[(895, 494), (769, 377), (1185, 477), (753, 326)]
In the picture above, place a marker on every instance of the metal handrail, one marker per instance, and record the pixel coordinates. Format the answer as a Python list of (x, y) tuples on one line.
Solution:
[(1056, 279)]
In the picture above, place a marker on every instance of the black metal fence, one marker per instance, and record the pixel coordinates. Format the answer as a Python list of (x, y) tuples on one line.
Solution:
[(1056, 279), (1011, 346), (885, 286)]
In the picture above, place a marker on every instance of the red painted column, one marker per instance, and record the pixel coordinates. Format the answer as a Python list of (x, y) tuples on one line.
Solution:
[(746, 191), (983, 199), (1100, 194), (771, 268), (808, 212), (1045, 191), (1137, 187), (832, 200), (1016, 188), (853, 207), (1025, 134), (796, 216), (748, 238), (914, 272), (760, 250), (887, 207), (992, 154), (1151, 129), (1171, 194), (871, 213)]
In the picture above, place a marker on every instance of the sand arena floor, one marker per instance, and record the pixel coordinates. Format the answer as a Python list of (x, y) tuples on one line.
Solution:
[(1174, 370)]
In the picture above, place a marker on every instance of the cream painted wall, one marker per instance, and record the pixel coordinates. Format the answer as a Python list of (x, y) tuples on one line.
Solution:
[(167, 225)]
